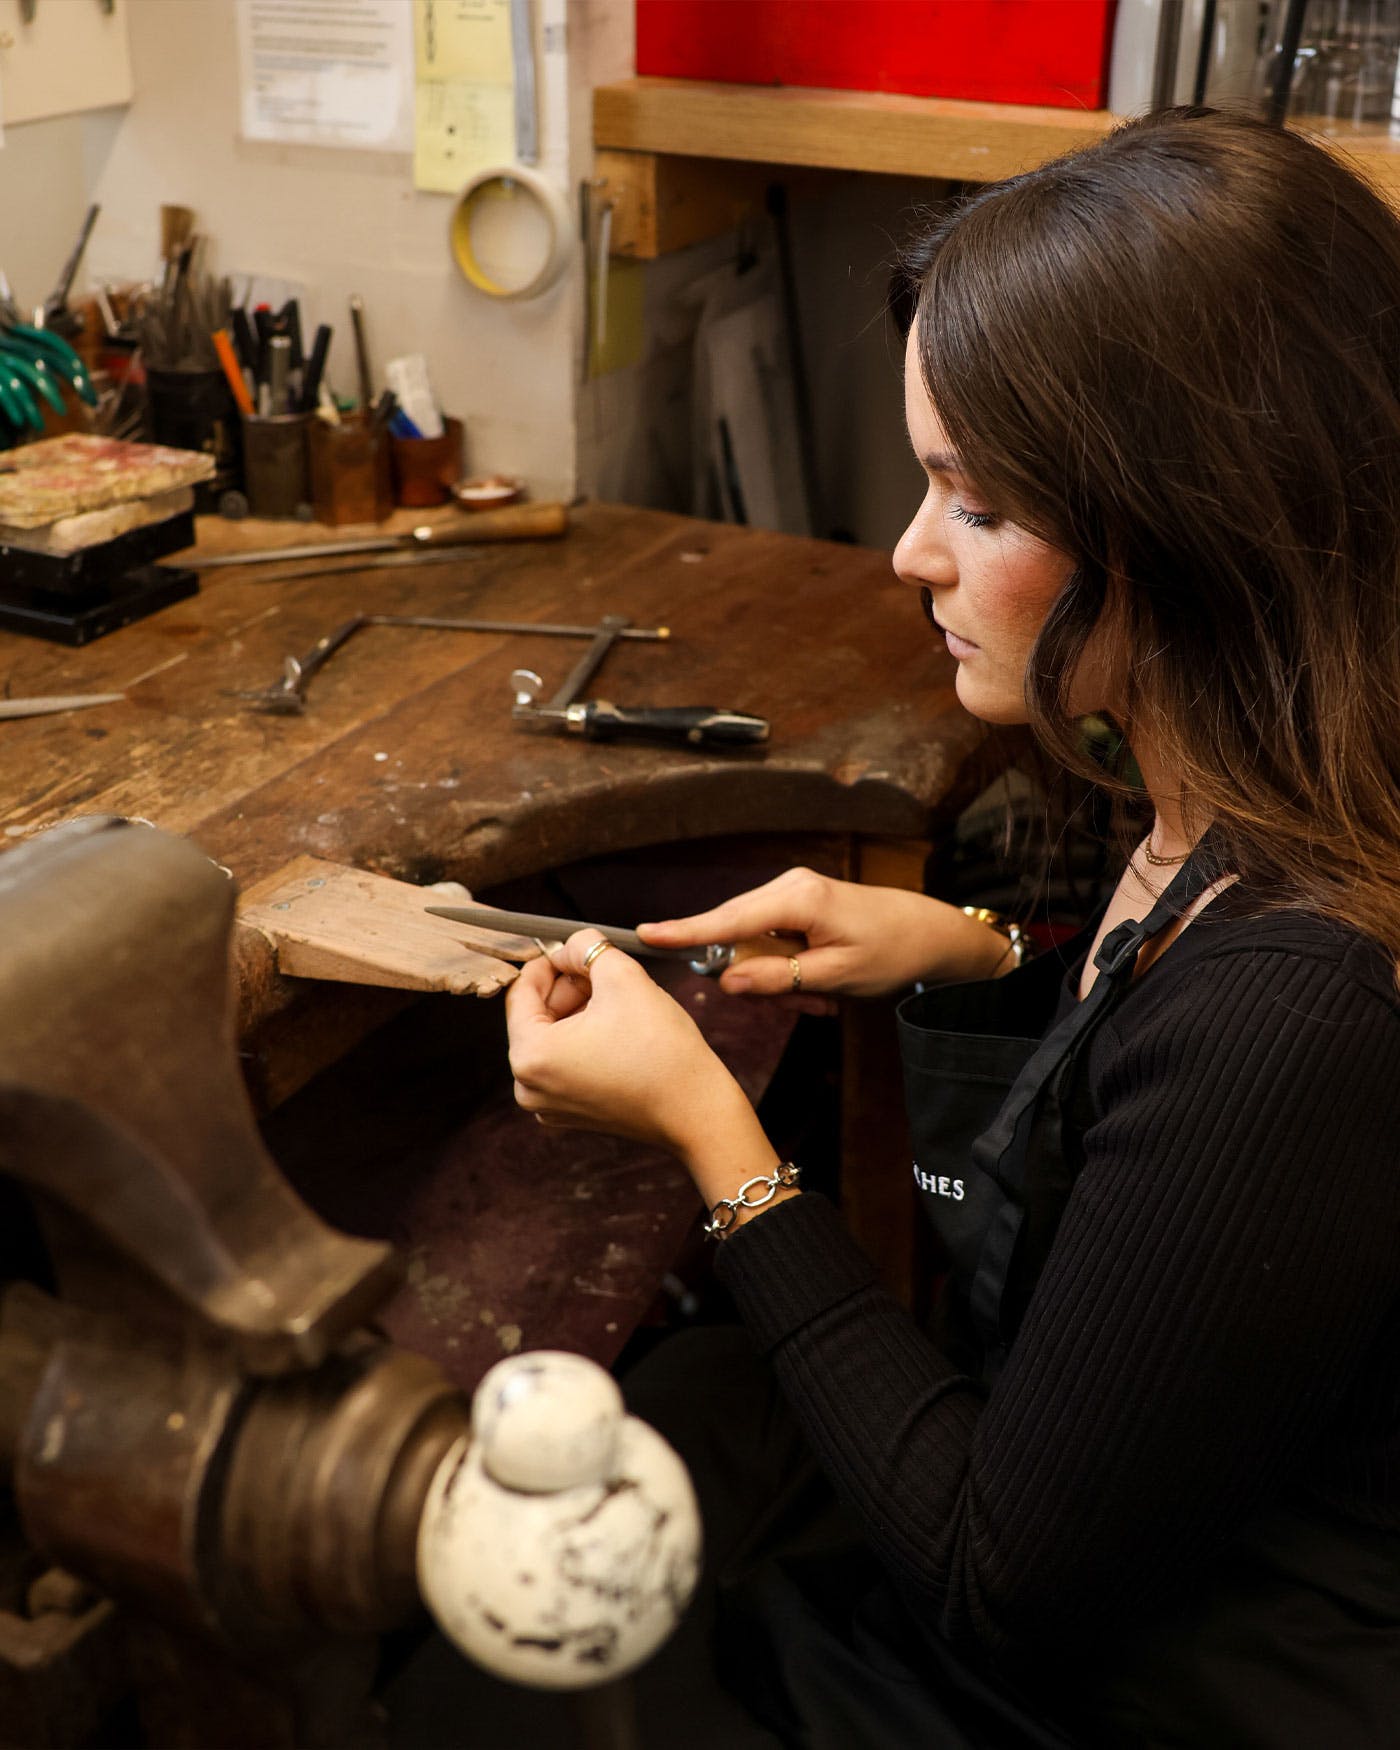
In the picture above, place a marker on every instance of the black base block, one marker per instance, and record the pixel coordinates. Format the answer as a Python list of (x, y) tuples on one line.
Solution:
[(64, 618), (89, 570)]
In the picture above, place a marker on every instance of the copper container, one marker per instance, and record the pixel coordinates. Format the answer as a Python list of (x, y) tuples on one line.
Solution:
[(351, 478), (425, 469)]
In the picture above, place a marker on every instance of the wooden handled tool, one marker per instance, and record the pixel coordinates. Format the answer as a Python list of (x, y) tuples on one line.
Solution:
[(516, 522)]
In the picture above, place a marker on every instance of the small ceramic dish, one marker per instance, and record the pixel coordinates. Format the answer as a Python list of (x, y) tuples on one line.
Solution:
[(488, 491)]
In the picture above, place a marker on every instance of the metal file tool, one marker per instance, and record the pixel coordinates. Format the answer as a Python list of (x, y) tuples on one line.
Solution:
[(41, 707), (710, 960)]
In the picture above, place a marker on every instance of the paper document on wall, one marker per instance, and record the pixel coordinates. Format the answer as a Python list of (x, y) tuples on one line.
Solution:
[(327, 72), (465, 75)]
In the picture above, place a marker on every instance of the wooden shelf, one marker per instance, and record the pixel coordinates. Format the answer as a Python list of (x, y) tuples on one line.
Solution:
[(836, 130), (680, 154)]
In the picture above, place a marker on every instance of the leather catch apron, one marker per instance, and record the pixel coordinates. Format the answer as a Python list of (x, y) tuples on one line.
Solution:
[(990, 1085)]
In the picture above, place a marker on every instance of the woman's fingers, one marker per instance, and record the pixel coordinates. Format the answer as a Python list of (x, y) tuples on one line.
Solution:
[(764, 976), (615, 1061), (568, 995), (789, 903), (769, 975), (582, 955), (527, 996)]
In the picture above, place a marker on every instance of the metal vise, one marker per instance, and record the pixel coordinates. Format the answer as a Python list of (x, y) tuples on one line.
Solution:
[(193, 1418)]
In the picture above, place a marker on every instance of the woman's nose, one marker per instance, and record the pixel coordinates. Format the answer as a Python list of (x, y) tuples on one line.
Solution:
[(921, 555)]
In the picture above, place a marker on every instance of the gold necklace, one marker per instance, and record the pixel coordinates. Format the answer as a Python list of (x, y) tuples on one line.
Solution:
[(1150, 856)]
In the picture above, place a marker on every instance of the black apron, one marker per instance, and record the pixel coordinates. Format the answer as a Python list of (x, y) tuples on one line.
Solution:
[(822, 1645), (1297, 1639), (991, 1091)]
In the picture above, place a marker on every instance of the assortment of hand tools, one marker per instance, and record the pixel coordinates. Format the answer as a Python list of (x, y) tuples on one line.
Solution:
[(188, 324), (175, 322)]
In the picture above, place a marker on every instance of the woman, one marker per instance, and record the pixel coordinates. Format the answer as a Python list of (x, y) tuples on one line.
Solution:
[(1146, 1487)]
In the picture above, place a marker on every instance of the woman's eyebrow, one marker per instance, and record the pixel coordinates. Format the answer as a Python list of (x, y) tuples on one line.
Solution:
[(942, 462)]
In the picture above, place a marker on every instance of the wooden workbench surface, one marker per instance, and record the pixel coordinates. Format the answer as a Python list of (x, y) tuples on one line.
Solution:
[(407, 760)]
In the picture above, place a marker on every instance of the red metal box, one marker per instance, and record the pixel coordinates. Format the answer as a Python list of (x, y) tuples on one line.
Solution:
[(995, 51)]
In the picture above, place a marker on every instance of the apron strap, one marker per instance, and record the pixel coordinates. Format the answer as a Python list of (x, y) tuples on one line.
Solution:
[(1003, 1151)]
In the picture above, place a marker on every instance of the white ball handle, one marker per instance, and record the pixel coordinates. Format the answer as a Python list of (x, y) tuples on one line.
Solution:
[(560, 1541)]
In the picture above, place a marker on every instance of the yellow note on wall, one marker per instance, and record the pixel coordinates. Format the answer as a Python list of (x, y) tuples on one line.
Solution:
[(464, 108)]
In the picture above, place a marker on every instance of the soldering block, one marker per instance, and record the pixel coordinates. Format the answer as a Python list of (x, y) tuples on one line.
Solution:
[(94, 528), (62, 477)]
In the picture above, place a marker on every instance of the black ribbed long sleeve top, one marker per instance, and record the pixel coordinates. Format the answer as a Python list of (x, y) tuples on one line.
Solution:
[(1216, 1330)]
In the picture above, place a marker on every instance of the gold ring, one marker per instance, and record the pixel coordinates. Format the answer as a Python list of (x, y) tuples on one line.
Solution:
[(594, 952), (796, 971)]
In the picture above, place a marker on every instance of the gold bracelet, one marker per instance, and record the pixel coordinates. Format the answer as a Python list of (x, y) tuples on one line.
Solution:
[(1020, 946), (726, 1212)]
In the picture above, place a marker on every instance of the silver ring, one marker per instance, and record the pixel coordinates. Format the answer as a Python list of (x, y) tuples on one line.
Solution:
[(796, 971), (594, 952)]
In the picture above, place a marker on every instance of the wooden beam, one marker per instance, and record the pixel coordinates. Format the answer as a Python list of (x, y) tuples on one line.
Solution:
[(888, 133), (836, 130)]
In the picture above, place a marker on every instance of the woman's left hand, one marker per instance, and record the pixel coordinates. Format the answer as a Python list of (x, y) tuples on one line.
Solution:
[(606, 1049)]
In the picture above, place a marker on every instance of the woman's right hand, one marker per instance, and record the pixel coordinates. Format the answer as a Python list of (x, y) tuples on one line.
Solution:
[(861, 941)]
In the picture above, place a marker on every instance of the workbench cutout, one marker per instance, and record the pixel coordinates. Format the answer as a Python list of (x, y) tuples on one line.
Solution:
[(349, 926)]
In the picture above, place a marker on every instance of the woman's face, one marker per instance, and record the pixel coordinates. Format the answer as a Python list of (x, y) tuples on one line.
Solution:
[(987, 584)]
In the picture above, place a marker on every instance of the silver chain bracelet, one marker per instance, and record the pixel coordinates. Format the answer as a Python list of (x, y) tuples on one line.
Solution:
[(726, 1212)]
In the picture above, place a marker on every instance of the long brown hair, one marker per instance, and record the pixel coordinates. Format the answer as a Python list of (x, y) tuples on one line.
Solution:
[(1175, 355)]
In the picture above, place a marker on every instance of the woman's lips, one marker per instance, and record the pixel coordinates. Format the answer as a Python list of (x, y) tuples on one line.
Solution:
[(960, 648)]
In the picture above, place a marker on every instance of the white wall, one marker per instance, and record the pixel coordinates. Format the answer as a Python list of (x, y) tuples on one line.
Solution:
[(46, 171)]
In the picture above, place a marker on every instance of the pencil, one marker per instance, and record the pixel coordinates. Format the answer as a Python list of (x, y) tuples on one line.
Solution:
[(229, 360)]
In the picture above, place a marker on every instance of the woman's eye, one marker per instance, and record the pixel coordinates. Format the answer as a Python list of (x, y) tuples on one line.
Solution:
[(975, 519)]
